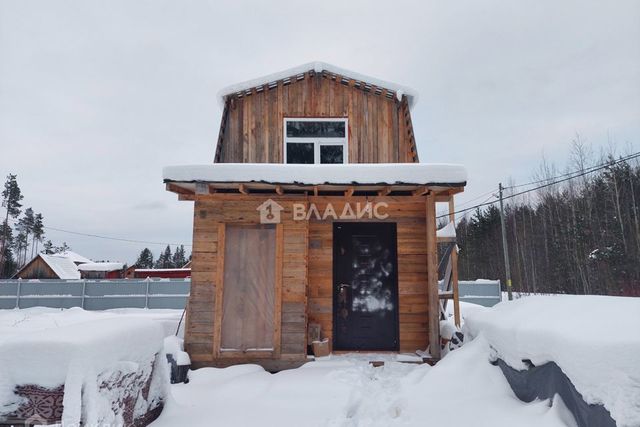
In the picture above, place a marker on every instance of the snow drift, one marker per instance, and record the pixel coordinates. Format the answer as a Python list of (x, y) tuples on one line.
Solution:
[(111, 370), (595, 340)]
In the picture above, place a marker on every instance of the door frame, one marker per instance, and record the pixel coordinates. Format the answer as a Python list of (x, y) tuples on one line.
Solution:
[(396, 318)]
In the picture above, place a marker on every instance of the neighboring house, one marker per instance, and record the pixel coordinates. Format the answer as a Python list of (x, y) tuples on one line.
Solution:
[(315, 211), (157, 273), (101, 270), (69, 266), (55, 266)]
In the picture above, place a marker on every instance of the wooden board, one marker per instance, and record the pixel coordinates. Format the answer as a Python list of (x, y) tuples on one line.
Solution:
[(379, 126)]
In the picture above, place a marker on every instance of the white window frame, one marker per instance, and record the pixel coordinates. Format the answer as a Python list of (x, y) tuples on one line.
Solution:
[(318, 142)]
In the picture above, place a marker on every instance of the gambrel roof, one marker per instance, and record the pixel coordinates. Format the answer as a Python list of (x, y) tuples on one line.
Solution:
[(344, 75)]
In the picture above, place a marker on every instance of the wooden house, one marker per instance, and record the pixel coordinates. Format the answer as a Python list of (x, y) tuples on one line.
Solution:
[(315, 211), (62, 265)]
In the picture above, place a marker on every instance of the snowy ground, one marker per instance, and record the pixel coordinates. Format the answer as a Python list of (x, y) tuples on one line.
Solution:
[(14, 322), (346, 391), (464, 389)]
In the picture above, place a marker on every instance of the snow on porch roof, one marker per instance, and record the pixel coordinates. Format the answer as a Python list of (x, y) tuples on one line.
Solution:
[(343, 174), (319, 67)]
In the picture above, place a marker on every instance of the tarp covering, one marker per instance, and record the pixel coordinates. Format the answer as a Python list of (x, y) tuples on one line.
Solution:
[(544, 382)]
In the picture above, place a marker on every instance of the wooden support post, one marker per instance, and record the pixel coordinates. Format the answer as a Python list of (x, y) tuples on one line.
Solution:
[(454, 267), (279, 190), (432, 278), (243, 189)]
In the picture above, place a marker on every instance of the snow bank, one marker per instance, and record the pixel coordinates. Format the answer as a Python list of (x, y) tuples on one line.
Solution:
[(19, 322), (98, 362), (594, 339), (345, 174), (318, 67)]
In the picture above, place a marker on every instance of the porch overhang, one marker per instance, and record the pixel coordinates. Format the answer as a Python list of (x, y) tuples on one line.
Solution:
[(382, 179)]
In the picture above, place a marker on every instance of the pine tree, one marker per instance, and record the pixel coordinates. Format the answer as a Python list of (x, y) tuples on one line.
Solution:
[(48, 247), (179, 259), (26, 224), (165, 259), (19, 244), (38, 233), (62, 249), (9, 263), (11, 197), (145, 259)]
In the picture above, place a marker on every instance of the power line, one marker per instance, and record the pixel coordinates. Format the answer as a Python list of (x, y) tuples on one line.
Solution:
[(587, 170), (119, 239), (548, 184), (491, 193)]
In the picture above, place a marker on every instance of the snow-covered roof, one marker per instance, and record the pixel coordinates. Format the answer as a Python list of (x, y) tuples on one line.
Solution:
[(64, 267), (343, 174), (150, 270), (101, 266), (78, 259), (448, 231), (318, 67)]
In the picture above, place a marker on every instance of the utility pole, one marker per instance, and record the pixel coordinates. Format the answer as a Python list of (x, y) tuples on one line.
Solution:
[(505, 249)]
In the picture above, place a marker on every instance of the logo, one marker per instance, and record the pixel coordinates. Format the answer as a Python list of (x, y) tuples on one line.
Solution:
[(269, 212)]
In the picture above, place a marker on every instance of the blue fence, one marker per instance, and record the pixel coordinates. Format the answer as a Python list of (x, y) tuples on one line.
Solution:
[(150, 293), (482, 292), (95, 294)]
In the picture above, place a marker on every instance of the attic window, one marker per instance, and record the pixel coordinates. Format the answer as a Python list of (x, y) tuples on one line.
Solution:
[(315, 140)]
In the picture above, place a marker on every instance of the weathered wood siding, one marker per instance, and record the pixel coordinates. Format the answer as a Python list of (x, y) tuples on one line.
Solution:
[(37, 269), (307, 266), (409, 213), (380, 129), (200, 326)]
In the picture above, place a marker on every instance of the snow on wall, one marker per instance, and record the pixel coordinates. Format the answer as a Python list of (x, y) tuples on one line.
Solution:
[(594, 339), (355, 173), (318, 67), (82, 356)]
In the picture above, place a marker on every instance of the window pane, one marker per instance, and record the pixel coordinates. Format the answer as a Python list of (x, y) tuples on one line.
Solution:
[(248, 300), (300, 152), (316, 129), (331, 154)]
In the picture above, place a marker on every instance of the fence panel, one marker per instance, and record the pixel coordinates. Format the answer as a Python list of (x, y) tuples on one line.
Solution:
[(482, 292), (8, 292), (95, 294)]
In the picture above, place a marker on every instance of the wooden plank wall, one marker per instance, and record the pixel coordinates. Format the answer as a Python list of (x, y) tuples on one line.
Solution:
[(37, 269), (208, 214), (380, 128), (409, 213)]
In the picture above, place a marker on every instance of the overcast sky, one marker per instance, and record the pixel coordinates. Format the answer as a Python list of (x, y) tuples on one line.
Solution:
[(96, 97)]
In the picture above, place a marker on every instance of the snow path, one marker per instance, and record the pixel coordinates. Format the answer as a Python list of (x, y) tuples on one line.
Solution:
[(462, 390)]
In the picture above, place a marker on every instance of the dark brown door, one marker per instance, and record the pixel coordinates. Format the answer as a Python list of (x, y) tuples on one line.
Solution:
[(365, 286)]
